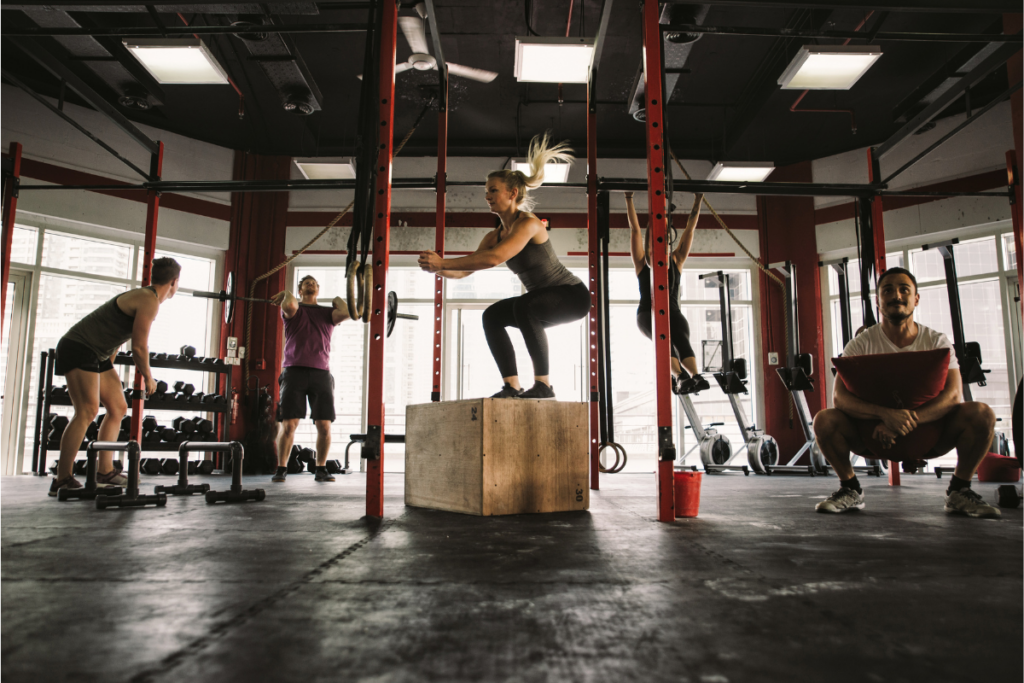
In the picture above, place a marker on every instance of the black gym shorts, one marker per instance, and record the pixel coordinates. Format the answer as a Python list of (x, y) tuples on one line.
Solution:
[(298, 384), (74, 356)]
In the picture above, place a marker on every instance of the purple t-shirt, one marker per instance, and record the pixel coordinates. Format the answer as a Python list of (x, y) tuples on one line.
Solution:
[(307, 337)]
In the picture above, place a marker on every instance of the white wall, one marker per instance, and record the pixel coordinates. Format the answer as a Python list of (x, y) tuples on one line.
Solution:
[(46, 137)]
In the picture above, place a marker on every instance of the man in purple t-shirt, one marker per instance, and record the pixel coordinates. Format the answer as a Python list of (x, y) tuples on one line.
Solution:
[(305, 371)]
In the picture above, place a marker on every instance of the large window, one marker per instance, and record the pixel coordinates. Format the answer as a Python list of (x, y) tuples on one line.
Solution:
[(75, 274), (986, 278)]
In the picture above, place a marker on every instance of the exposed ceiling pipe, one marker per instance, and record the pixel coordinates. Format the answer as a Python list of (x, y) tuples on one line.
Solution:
[(853, 121)]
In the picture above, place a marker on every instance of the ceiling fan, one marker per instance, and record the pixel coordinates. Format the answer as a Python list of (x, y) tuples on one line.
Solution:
[(414, 30)]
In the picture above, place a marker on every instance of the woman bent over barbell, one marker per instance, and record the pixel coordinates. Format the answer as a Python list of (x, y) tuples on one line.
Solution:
[(554, 296)]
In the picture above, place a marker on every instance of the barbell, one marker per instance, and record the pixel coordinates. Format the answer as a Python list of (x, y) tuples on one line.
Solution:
[(228, 297)]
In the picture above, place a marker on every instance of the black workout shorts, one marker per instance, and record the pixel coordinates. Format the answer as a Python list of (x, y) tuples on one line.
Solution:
[(74, 356), (298, 384)]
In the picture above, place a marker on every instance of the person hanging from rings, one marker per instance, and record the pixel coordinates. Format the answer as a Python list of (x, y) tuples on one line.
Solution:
[(683, 357), (305, 371), (85, 356), (554, 296)]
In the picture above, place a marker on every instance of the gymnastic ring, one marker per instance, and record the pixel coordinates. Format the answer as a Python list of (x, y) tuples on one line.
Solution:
[(622, 465), (353, 278), (619, 461), (366, 292)]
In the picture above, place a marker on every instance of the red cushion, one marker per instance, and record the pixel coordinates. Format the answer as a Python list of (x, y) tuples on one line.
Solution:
[(897, 380), (1001, 468)]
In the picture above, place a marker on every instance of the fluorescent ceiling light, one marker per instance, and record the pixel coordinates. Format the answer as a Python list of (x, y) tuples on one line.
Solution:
[(741, 171), (553, 173), (828, 67), (177, 61), (553, 60), (342, 169)]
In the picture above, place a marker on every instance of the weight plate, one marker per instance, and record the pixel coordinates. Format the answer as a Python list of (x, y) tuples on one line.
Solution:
[(229, 302), (392, 311)]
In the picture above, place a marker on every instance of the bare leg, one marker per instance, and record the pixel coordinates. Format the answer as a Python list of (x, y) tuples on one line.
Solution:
[(84, 392), (969, 428), (285, 437), (323, 441), (690, 363), (112, 398), (836, 436)]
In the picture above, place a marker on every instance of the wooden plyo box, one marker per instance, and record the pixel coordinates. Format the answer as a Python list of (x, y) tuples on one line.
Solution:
[(489, 456)]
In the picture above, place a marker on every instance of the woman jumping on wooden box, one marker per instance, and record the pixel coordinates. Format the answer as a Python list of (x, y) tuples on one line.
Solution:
[(554, 296), (640, 249)]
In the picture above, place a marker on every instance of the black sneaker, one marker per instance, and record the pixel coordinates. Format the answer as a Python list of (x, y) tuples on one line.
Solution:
[(693, 385), (65, 483), (679, 384), (508, 391), (539, 390), (282, 472), (323, 475)]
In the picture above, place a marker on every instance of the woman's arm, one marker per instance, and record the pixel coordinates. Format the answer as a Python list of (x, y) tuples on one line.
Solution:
[(490, 253), (636, 238), (682, 250)]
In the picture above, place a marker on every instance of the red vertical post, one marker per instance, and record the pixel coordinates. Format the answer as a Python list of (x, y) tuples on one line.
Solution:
[(595, 307), (659, 259), (381, 254), (10, 209), (442, 180), (152, 212), (878, 238)]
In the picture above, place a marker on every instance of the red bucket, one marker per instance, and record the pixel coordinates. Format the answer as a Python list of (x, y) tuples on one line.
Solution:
[(687, 493)]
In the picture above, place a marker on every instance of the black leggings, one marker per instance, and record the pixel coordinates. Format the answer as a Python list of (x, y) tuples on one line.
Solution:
[(532, 313), (678, 328)]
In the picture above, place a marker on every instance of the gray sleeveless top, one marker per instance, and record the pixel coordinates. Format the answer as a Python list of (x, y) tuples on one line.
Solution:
[(105, 329), (538, 266)]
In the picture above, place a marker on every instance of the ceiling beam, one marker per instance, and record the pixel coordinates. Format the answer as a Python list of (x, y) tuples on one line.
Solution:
[(844, 35), (996, 59), (51, 64), (184, 31)]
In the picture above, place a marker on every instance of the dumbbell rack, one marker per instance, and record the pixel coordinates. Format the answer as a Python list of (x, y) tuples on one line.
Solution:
[(48, 360)]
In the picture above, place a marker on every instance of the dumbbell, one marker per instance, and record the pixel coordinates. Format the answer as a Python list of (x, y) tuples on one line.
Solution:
[(334, 466), (183, 388), (184, 425), (79, 467), (149, 423), (204, 467), (169, 466), (192, 466), (58, 394), (150, 466), (210, 398), (295, 463), (203, 425), (160, 356), (151, 437), (161, 392), (308, 456), (196, 397), (167, 434), (188, 351)]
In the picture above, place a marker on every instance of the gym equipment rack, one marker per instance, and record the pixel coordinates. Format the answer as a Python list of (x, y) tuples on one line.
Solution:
[(135, 401)]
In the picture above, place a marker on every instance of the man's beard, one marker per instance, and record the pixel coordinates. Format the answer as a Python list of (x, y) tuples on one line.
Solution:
[(896, 314)]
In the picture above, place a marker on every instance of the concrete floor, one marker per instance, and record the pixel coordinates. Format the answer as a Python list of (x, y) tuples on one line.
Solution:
[(301, 587)]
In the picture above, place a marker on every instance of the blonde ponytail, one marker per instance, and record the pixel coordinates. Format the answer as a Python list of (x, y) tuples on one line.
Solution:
[(540, 152)]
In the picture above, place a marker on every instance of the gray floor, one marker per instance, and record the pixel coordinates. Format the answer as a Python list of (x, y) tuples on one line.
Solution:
[(301, 587)]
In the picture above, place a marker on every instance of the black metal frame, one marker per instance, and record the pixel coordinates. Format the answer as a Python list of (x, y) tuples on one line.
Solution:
[(842, 274), (843, 35), (182, 31)]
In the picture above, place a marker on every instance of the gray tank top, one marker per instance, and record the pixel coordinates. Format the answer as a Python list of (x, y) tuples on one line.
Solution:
[(105, 329), (538, 266)]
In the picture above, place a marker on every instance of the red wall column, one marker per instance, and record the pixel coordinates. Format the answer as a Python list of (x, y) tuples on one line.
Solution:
[(256, 245), (10, 209), (787, 234)]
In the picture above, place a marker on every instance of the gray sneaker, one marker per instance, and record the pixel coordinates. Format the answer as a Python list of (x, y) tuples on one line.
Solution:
[(967, 502), (843, 500), (111, 479)]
